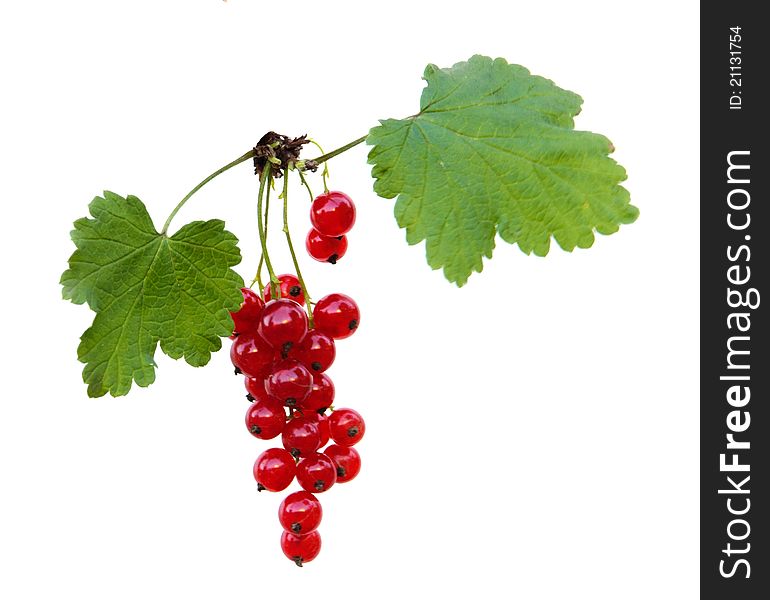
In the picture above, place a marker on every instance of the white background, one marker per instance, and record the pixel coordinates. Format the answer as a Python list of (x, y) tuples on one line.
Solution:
[(532, 435)]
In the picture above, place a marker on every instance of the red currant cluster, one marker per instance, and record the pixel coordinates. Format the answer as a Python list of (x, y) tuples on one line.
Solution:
[(285, 365), (332, 214)]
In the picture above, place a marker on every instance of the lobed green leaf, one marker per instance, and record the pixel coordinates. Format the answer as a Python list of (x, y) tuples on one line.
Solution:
[(493, 151), (147, 288)]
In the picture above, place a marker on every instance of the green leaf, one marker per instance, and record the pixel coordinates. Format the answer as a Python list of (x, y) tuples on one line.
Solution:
[(493, 150), (147, 288)]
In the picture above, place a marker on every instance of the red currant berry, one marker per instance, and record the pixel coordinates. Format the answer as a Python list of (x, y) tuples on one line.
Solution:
[(336, 315), (300, 512), (251, 354), (323, 426), (301, 436), (301, 548), (321, 395), (266, 418), (333, 214), (324, 248), (289, 288), (290, 382), (247, 316), (316, 351), (283, 324), (346, 427), (316, 473), (274, 470), (346, 459), (255, 389)]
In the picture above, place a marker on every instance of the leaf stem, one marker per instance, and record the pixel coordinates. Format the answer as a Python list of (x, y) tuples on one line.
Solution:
[(262, 234), (227, 167), (285, 195), (324, 157)]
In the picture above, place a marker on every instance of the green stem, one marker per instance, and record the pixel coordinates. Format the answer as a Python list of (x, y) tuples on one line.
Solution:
[(306, 184), (262, 235), (325, 172), (285, 195), (324, 157), (258, 276), (227, 167)]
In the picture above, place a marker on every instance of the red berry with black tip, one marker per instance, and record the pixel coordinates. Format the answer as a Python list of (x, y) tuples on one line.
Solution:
[(255, 389), (333, 214), (274, 470), (316, 473), (324, 248), (289, 381), (336, 315), (251, 354), (266, 418), (301, 548), (321, 395), (346, 426), (289, 288), (316, 351), (301, 436), (300, 513), (283, 324), (346, 459)]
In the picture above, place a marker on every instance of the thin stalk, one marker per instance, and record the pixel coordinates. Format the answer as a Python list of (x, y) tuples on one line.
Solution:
[(262, 235), (258, 276), (306, 184), (324, 157), (285, 196), (325, 172), (227, 167)]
